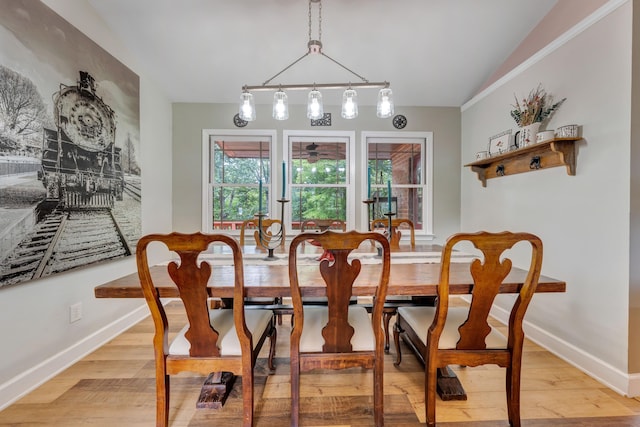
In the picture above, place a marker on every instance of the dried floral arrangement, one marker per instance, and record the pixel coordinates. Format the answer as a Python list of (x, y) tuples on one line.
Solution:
[(535, 108)]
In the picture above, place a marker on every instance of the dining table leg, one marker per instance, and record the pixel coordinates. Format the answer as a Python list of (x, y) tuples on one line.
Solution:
[(449, 386), (215, 390)]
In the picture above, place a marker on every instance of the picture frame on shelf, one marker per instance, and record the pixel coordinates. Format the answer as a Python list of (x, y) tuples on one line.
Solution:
[(500, 143)]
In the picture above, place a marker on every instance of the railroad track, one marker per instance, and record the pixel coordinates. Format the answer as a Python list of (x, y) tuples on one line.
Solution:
[(133, 187), (62, 241)]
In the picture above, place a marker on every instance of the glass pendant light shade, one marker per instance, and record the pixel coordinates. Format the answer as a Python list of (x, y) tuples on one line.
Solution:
[(349, 104), (280, 106), (385, 103), (247, 110), (315, 109)]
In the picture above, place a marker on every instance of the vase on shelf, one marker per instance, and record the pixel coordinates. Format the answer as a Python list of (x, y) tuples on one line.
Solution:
[(527, 135)]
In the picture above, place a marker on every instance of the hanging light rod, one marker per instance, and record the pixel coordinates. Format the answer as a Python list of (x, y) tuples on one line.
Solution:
[(315, 108), (368, 85)]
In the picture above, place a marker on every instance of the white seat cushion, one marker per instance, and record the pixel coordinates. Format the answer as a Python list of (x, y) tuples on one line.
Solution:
[(420, 318), (398, 298), (316, 318), (222, 321)]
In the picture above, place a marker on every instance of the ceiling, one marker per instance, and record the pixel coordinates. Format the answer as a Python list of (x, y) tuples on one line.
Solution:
[(434, 52)]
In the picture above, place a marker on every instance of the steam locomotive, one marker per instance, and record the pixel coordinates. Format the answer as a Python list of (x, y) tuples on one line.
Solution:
[(80, 161)]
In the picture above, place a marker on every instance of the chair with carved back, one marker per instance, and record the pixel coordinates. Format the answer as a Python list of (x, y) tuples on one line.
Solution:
[(214, 340), (394, 301), (252, 225), (323, 224), (397, 226), (267, 224), (338, 335), (320, 225), (444, 335)]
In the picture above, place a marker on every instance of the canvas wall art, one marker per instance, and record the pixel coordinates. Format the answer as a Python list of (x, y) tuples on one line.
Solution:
[(70, 192)]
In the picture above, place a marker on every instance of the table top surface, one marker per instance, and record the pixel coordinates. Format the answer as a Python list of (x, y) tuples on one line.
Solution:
[(252, 251), (414, 271)]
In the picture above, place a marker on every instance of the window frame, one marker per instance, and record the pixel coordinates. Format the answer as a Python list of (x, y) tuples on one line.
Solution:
[(208, 136), (426, 140), (297, 135)]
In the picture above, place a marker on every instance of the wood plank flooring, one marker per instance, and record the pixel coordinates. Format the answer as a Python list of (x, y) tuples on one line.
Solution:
[(114, 386)]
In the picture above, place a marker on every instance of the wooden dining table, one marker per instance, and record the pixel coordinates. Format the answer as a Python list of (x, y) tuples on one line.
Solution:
[(269, 280), (414, 272)]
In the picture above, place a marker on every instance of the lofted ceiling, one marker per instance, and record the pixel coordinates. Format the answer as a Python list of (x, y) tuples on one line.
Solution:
[(434, 52)]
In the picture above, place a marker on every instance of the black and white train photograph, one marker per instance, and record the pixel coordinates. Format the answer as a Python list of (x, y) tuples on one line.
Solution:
[(70, 192)]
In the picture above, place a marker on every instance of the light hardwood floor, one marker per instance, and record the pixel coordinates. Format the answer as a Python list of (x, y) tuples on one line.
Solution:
[(114, 386)]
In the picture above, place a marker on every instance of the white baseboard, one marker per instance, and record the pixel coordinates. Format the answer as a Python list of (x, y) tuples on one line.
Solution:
[(634, 385), (27, 381), (618, 381)]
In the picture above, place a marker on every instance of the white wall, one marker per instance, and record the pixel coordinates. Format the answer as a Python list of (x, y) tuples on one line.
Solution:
[(37, 338), (583, 220)]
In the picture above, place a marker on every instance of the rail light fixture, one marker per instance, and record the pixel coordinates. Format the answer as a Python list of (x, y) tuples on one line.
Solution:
[(315, 108)]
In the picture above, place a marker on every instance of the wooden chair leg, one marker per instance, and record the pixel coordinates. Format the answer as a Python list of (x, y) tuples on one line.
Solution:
[(295, 394), (272, 347), (387, 314), (397, 330), (378, 391), (431, 382), (247, 398), (278, 300), (162, 401), (513, 395)]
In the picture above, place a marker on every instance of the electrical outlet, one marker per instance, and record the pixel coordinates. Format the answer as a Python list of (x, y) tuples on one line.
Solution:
[(75, 312)]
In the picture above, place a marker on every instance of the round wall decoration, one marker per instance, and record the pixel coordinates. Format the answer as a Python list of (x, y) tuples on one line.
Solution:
[(239, 122), (399, 121)]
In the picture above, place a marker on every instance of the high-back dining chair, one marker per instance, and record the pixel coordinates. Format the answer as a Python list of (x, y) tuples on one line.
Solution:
[(323, 224), (252, 225), (214, 340), (339, 335), (394, 301), (397, 225), (444, 335)]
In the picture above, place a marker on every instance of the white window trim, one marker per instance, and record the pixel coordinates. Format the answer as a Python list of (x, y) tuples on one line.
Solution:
[(427, 203), (351, 163), (207, 214)]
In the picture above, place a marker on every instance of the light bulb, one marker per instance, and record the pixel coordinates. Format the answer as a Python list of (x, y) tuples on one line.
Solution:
[(385, 107), (385, 103), (280, 106), (247, 110), (349, 104), (315, 109)]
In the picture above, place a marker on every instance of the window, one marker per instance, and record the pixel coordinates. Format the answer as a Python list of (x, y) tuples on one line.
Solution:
[(236, 163), (319, 178), (401, 161)]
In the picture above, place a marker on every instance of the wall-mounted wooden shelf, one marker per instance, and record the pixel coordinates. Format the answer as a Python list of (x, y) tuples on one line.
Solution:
[(543, 155)]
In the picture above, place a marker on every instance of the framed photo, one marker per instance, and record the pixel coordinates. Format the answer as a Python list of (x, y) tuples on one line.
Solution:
[(76, 144), (500, 143)]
